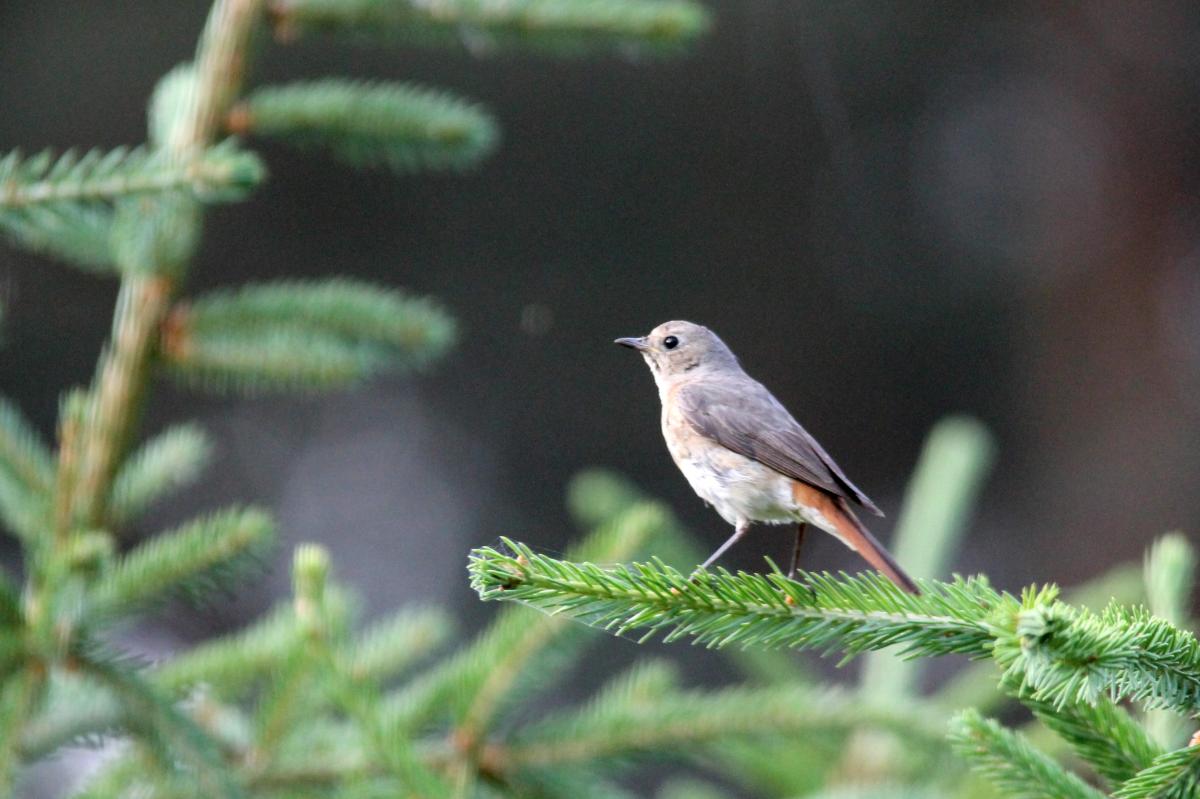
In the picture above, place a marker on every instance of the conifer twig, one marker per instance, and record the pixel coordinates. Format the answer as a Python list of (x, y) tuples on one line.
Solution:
[(693, 718), (143, 300), (220, 171), (503, 664), (1174, 775), (1060, 654), (398, 125), (170, 735), (1012, 764), (1103, 734), (556, 25)]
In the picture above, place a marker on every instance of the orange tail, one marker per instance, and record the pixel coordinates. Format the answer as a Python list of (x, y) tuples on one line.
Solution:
[(854, 534), (859, 538)]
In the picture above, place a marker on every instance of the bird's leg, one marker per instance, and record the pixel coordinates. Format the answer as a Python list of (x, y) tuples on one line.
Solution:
[(800, 528), (739, 530)]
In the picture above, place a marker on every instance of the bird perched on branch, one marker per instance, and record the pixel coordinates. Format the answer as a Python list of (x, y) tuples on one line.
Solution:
[(744, 454)]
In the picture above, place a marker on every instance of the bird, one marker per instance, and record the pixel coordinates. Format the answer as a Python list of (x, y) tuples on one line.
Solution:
[(744, 454)]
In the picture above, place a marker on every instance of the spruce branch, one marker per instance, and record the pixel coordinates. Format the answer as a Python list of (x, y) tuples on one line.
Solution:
[(180, 748), (596, 495), (79, 235), (1015, 767), (143, 300), (165, 463), (23, 512), (618, 727), (403, 127), (1059, 653), (228, 665), (1103, 734), (301, 335), (518, 654), (108, 416), (560, 26), (22, 452), (721, 609), (221, 172), (76, 710), (63, 205), (205, 554), (1063, 655), (500, 664), (394, 644), (976, 685), (1174, 775), (1169, 573), (21, 695)]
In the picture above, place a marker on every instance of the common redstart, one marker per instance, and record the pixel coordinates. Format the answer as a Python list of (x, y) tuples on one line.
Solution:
[(744, 454)]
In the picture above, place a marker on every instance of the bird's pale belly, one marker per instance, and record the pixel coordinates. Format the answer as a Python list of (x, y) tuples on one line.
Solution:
[(738, 488)]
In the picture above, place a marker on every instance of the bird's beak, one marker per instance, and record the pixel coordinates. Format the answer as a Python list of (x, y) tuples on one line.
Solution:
[(639, 344)]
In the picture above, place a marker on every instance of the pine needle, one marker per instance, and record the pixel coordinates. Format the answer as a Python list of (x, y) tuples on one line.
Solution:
[(63, 204), (557, 26), (305, 335), (1174, 775), (1015, 767), (400, 126), (165, 463), (195, 559)]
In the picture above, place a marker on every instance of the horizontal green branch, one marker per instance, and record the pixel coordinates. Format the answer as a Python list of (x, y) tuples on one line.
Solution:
[(1012, 764), (1175, 775), (561, 26), (721, 609), (221, 172), (305, 335), (1053, 651), (398, 125), (674, 718), (206, 553)]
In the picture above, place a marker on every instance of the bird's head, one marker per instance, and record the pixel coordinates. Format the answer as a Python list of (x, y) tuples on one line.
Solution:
[(675, 349)]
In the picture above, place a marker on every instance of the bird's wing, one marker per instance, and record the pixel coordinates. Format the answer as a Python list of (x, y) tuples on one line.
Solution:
[(741, 415)]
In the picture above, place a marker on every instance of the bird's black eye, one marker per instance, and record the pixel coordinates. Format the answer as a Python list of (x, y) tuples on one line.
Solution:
[(670, 342)]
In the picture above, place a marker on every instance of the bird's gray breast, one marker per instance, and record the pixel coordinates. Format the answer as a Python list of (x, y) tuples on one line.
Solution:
[(740, 489)]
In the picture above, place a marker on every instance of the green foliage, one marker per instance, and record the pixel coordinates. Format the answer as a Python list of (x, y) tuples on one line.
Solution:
[(400, 126), (560, 26), (295, 703), (1066, 655), (1174, 775), (195, 559), (1018, 769), (1103, 734), (1169, 576), (514, 655), (183, 752), (22, 510), (626, 719), (63, 205), (721, 609), (301, 335), (22, 453), (1060, 654), (165, 463), (229, 665)]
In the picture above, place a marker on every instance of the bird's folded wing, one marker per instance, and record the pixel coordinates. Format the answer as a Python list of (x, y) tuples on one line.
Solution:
[(741, 415)]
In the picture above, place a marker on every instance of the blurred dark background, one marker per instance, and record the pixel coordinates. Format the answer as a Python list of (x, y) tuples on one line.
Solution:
[(891, 211)]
